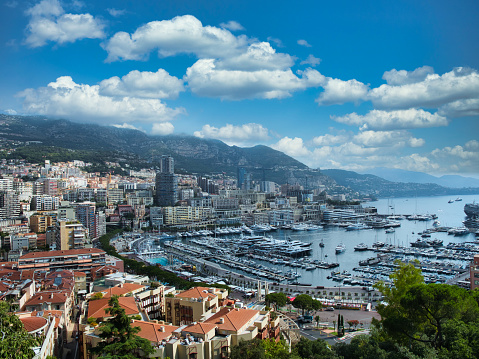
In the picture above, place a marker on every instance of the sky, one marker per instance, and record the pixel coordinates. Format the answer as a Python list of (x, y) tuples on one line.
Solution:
[(346, 84)]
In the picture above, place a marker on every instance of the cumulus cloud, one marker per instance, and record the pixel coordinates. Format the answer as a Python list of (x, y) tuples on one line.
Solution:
[(328, 140), (180, 35), (162, 128), (235, 135), (48, 22), (311, 60), (116, 12), (399, 119), (10, 111), (143, 84), (258, 56), (337, 91), (293, 147), (434, 91), (460, 108), (204, 79), (303, 43), (82, 102), (393, 139), (232, 25), (403, 77)]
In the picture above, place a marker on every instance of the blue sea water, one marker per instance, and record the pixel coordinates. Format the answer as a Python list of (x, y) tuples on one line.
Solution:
[(449, 214)]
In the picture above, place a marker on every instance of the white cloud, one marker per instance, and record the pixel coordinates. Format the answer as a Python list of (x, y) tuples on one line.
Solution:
[(403, 77), (460, 108), (311, 60), (143, 84), (434, 91), (204, 79), (180, 35), (162, 128), (337, 91), (127, 126), (328, 140), (235, 135), (303, 43), (258, 56), (10, 111), (400, 119), (48, 22), (65, 98), (393, 139), (11, 4), (116, 12), (232, 26), (293, 147)]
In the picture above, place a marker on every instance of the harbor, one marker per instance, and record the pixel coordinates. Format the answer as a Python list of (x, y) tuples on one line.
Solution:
[(331, 254)]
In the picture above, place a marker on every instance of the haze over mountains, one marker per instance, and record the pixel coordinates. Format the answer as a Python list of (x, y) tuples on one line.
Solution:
[(398, 175), (206, 156)]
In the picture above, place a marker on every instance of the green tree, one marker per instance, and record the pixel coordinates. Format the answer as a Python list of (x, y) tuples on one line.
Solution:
[(303, 302), (259, 349), (278, 299), (13, 336), (309, 349), (119, 337)]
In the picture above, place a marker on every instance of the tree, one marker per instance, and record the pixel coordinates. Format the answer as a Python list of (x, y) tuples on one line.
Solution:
[(259, 349), (309, 349), (317, 319), (278, 299), (119, 337), (353, 323), (303, 302), (13, 336)]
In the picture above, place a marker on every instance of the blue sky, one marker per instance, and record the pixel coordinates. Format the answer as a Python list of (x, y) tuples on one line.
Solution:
[(346, 84)]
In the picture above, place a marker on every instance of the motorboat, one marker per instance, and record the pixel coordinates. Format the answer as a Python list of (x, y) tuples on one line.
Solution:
[(340, 248), (361, 247)]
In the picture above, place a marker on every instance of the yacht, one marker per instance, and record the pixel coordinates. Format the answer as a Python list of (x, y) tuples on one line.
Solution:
[(361, 247), (340, 248)]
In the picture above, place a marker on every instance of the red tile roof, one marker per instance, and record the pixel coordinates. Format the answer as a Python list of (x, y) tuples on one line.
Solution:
[(153, 331), (122, 289), (32, 324), (196, 292), (69, 252), (96, 308), (200, 328), (39, 298), (234, 319)]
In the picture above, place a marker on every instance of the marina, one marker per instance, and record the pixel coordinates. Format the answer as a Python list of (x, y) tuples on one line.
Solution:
[(436, 238)]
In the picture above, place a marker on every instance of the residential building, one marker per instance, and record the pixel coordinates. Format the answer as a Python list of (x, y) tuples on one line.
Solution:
[(9, 204), (71, 235), (474, 272), (84, 260), (40, 222), (85, 213)]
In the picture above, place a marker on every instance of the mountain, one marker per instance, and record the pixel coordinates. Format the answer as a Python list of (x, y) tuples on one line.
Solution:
[(192, 154), (367, 184), (398, 175)]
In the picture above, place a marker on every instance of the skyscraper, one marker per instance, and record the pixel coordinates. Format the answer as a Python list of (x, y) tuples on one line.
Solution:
[(166, 183)]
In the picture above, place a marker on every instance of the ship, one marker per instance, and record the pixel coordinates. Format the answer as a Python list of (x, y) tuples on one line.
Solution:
[(471, 209)]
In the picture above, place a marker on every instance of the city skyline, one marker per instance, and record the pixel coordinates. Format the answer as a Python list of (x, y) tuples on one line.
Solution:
[(345, 85)]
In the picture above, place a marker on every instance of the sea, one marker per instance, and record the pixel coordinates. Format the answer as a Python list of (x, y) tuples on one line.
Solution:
[(448, 214)]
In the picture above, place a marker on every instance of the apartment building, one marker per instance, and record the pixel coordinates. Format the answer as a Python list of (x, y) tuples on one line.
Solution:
[(184, 215), (474, 271), (84, 260), (71, 235)]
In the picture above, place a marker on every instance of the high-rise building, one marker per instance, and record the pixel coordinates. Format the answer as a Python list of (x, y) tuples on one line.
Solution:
[(9, 204), (166, 183), (244, 179), (167, 164), (85, 213)]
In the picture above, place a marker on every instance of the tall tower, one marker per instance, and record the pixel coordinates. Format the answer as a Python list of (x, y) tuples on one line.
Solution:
[(166, 183)]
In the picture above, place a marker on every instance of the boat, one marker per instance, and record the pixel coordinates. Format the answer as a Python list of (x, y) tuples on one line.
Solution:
[(450, 201), (321, 244), (471, 209), (458, 199), (361, 247), (390, 230), (340, 248)]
